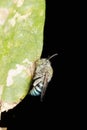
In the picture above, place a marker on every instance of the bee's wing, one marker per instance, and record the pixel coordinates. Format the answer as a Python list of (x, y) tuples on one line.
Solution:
[(45, 84)]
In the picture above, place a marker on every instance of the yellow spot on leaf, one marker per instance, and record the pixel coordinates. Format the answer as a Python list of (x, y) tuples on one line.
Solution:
[(1, 90), (3, 15), (19, 3)]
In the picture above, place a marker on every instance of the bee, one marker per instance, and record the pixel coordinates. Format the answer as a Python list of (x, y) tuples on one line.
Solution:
[(43, 75)]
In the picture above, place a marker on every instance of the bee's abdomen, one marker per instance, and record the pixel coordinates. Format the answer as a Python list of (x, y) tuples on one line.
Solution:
[(36, 91)]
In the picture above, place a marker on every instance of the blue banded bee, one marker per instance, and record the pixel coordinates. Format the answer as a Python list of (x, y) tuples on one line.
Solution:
[(42, 76)]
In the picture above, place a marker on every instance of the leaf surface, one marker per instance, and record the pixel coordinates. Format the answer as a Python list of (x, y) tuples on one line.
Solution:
[(21, 44)]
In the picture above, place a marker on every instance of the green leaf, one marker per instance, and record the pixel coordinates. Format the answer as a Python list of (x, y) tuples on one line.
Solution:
[(21, 44)]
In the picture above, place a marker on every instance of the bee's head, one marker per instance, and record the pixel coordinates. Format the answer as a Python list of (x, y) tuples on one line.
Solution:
[(47, 61)]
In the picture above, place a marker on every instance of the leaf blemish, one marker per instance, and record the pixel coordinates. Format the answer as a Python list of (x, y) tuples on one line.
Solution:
[(20, 69), (14, 72), (30, 68), (18, 2), (1, 90)]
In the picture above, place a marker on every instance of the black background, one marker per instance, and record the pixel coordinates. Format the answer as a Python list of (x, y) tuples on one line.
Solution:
[(31, 112)]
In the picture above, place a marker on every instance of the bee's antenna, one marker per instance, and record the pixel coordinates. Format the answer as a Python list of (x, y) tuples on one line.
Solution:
[(52, 56)]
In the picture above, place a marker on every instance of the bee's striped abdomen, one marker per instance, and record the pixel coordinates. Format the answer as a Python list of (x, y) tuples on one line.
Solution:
[(36, 91)]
